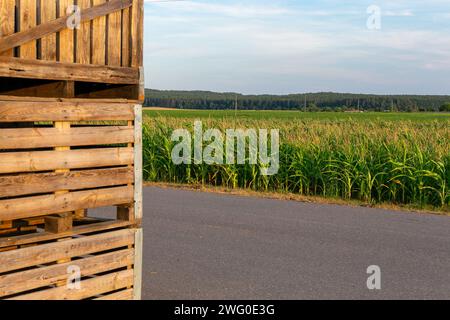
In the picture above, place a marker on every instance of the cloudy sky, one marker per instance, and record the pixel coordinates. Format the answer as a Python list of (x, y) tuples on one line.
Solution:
[(287, 46)]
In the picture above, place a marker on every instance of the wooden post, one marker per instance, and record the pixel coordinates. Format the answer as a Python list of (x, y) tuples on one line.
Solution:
[(138, 164), (137, 281)]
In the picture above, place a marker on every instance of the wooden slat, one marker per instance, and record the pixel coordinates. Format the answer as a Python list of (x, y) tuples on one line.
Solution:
[(29, 138), (33, 161), (16, 111), (138, 164), (121, 295), (31, 279), (71, 100), (99, 37), (114, 38), (138, 247), (27, 21), (137, 29), (89, 288), (66, 40), (6, 242), (48, 43), (38, 69), (126, 37), (28, 184), (59, 24), (45, 253), (84, 37), (7, 22), (13, 209)]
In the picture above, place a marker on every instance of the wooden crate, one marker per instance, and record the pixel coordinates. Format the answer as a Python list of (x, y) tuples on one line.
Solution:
[(70, 141), (104, 265), (58, 159), (40, 50)]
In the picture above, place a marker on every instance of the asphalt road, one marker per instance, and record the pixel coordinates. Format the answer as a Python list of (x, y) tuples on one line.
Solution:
[(212, 246)]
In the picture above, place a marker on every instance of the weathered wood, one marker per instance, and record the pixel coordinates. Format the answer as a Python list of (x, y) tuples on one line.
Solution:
[(66, 35), (45, 253), (6, 22), (121, 295), (46, 236), (59, 224), (28, 138), (12, 209), (27, 17), (114, 38), (126, 38), (138, 166), (38, 69), (48, 43), (71, 159), (125, 213), (18, 111), (137, 29), (83, 35), (50, 275), (99, 36), (71, 100), (30, 32), (137, 281), (28, 184), (141, 87), (88, 288)]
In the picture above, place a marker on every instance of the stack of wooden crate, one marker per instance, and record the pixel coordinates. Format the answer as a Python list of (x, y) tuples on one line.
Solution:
[(71, 142)]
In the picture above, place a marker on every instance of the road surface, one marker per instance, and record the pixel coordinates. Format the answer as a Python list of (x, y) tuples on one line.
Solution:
[(214, 246)]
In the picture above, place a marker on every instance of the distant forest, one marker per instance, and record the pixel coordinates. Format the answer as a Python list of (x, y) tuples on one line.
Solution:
[(323, 101)]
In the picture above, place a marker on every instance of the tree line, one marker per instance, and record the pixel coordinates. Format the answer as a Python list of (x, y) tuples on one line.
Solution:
[(323, 101)]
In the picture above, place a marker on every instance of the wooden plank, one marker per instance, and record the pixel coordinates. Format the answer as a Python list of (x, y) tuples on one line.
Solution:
[(45, 253), (83, 35), (46, 236), (89, 288), (137, 281), (27, 184), (13, 209), (31, 279), (138, 166), (48, 43), (66, 36), (126, 38), (99, 37), (39, 69), (7, 13), (121, 295), (71, 100), (137, 30), (15, 162), (27, 16), (114, 38), (59, 24), (17, 111), (141, 87), (29, 138)]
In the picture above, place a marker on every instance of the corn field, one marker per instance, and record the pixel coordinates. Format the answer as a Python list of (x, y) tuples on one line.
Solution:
[(398, 162)]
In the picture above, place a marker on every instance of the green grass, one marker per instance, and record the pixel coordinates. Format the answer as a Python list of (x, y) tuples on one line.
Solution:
[(394, 158), (268, 115)]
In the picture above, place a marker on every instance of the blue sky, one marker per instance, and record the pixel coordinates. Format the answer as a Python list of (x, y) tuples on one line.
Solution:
[(286, 46)]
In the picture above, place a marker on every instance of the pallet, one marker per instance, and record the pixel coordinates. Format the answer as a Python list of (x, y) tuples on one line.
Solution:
[(59, 158), (103, 58), (103, 265)]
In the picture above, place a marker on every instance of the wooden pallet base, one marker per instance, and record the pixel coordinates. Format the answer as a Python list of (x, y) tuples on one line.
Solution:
[(102, 265)]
